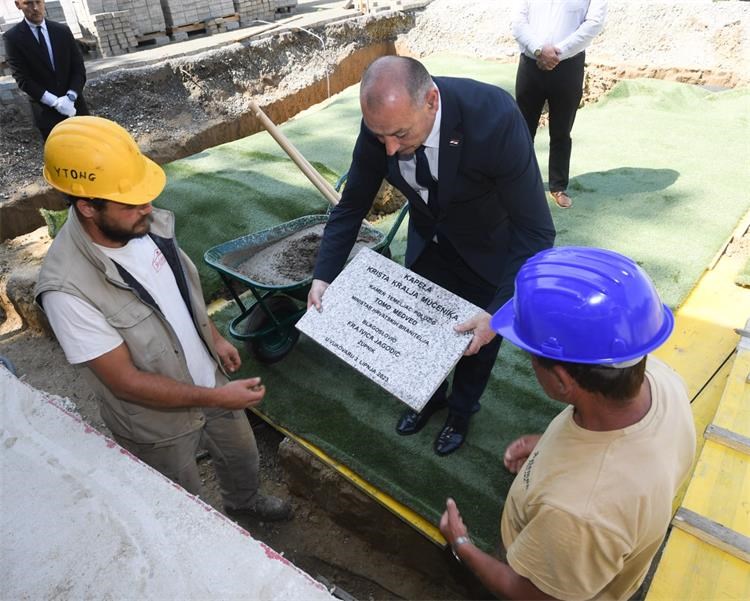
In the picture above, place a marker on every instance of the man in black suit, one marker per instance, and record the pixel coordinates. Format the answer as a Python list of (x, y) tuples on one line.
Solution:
[(47, 65), (461, 153)]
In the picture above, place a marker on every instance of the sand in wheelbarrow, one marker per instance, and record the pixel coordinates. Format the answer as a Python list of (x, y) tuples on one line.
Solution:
[(291, 260)]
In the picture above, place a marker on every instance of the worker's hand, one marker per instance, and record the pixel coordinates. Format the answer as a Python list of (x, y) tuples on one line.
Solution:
[(483, 333), (549, 58), (239, 394), (65, 106), (315, 296), (451, 524), (518, 452), (229, 355)]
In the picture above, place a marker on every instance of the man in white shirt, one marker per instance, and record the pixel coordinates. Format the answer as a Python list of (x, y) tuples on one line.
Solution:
[(126, 305), (553, 36)]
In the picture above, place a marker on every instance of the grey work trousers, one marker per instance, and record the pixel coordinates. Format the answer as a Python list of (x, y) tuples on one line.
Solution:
[(228, 438)]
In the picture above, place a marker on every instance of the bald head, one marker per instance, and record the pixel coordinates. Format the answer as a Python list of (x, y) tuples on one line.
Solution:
[(391, 78), (399, 103)]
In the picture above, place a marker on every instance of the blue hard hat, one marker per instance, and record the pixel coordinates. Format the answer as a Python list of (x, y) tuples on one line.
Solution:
[(584, 305)]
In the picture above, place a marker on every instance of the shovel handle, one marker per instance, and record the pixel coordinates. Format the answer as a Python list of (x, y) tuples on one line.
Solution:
[(325, 188)]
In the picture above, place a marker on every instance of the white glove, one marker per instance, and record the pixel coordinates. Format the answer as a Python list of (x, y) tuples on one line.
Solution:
[(65, 106), (48, 99)]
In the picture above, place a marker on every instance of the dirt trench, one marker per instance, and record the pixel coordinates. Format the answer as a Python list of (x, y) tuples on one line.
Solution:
[(175, 108)]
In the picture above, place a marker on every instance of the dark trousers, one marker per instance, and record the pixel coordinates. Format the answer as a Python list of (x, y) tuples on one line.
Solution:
[(229, 440), (441, 264), (562, 89)]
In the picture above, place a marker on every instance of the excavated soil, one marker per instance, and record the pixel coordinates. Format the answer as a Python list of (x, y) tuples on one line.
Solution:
[(179, 106)]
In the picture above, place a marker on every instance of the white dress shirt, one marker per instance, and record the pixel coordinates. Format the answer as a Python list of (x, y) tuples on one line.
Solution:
[(45, 33), (569, 25)]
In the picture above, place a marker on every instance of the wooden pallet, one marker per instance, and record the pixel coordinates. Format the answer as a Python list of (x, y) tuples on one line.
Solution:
[(144, 37), (202, 26), (151, 38), (188, 28)]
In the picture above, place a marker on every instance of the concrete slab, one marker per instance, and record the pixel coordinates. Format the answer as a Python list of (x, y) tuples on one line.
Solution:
[(391, 325), (82, 518)]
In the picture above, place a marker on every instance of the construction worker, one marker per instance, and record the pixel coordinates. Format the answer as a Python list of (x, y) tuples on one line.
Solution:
[(593, 497), (126, 305)]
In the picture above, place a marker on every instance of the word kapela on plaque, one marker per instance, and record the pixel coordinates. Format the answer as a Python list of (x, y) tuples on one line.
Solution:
[(392, 325)]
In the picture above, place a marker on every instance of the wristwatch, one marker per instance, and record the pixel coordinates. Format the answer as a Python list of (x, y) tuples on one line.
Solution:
[(461, 540), (537, 53)]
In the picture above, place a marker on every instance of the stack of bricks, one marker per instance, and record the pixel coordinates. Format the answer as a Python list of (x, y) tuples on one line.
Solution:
[(250, 10), (4, 68), (146, 16), (84, 9), (221, 17), (375, 6), (54, 11), (222, 24), (285, 6), (220, 8), (114, 33), (178, 13)]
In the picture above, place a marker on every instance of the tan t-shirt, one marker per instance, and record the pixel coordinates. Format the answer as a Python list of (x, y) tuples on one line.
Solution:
[(588, 511)]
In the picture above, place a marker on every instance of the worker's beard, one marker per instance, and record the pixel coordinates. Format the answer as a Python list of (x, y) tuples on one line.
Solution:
[(116, 233)]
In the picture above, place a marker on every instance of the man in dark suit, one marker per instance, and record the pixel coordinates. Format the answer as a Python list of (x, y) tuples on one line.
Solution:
[(461, 153), (47, 65)]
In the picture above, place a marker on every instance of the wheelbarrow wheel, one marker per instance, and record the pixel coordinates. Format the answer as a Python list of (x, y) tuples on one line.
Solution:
[(277, 343)]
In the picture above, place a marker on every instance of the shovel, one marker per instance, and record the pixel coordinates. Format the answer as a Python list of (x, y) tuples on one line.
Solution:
[(325, 188)]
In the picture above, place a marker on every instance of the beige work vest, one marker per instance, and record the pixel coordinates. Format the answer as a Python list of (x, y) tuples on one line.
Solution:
[(75, 266)]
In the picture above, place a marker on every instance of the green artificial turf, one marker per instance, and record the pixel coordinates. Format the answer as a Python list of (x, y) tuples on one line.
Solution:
[(658, 173)]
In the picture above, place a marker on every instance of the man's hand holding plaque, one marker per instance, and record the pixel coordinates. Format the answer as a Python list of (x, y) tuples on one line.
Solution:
[(395, 327)]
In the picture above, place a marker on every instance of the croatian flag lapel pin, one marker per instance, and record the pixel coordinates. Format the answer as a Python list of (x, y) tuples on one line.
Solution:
[(454, 141)]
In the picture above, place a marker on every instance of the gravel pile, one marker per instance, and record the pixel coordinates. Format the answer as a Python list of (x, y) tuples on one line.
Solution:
[(692, 34)]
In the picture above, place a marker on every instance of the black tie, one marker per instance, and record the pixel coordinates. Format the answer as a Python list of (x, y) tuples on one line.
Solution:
[(43, 44), (425, 179)]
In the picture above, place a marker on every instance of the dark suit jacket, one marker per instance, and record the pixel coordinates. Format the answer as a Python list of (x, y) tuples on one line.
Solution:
[(493, 209), (33, 73)]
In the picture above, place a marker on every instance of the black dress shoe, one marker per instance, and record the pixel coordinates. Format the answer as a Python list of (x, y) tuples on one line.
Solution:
[(452, 435), (412, 422)]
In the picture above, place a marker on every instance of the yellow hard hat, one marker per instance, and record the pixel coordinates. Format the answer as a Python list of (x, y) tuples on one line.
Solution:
[(92, 157)]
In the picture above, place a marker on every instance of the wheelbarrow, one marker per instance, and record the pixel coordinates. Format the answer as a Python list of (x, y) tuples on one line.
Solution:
[(264, 262), (268, 264)]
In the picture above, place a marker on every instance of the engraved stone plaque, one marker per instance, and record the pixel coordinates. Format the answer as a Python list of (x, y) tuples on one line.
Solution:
[(391, 325)]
